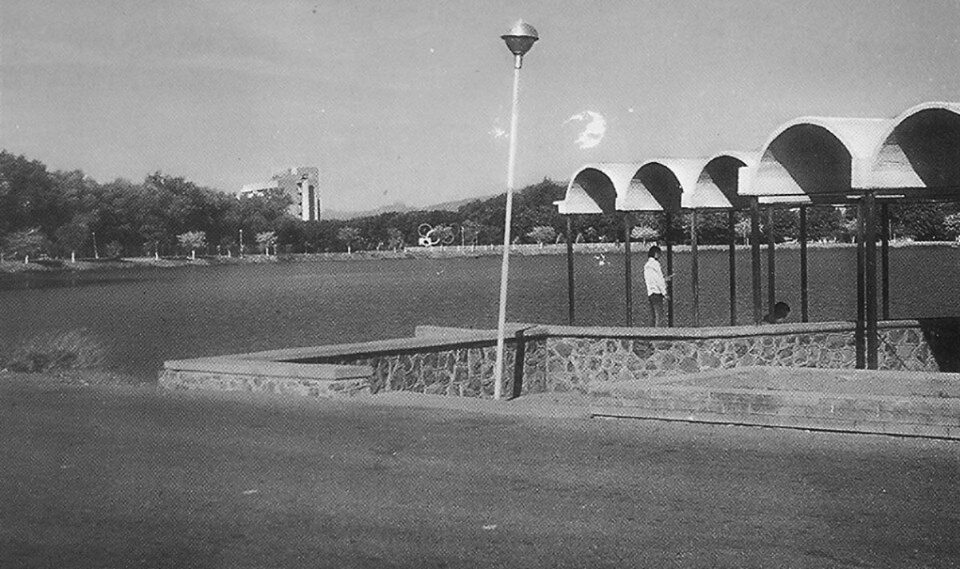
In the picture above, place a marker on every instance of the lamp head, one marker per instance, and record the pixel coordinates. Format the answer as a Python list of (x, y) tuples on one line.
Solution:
[(520, 38)]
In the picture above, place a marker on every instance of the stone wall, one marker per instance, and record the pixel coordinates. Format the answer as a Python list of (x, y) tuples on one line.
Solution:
[(459, 370), (457, 362), (576, 363), (560, 358)]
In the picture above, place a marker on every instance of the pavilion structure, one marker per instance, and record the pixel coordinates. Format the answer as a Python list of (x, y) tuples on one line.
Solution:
[(867, 163)]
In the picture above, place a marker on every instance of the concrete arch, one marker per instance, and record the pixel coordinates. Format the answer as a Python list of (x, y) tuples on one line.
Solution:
[(658, 185), (593, 189), (718, 182), (920, 149), (815, 155)]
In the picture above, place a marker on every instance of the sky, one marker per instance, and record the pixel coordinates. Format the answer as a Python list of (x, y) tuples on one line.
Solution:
[(409, 101)]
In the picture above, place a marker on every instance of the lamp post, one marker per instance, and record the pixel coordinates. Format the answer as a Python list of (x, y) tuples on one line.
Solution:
[(519, 40)]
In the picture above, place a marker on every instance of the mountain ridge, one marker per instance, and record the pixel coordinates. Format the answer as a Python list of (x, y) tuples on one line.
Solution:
[(401, 207)]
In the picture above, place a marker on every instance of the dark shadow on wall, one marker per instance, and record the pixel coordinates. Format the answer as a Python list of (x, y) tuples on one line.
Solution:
[(943, 337)]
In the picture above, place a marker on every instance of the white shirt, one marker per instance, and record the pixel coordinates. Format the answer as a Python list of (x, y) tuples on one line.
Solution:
[(653, 275)]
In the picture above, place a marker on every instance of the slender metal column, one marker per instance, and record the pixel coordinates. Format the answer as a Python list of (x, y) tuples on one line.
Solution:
[(804, 295), (669, 270), (861, 301), (505, 260), (570, 305), (771, 262), (732, 229), (870, 220), (885, 258), (694, 268), (628, 267), (755, 260)]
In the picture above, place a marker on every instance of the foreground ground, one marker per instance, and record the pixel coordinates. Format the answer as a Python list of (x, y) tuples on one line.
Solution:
[(107, 476)]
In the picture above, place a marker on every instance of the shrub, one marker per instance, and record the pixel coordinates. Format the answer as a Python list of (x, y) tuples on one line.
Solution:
[(55, 351)]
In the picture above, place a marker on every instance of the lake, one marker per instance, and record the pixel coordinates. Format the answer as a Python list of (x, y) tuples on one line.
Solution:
[(145, 316)]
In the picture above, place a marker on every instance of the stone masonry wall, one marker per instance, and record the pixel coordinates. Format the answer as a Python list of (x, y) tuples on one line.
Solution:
[(576, 363), (554, 362), (465, 371)]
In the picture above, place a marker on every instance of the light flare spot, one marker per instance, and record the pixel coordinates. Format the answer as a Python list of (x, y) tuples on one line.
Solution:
[(593, 131)]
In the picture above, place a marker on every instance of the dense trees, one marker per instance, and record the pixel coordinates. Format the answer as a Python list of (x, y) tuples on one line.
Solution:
[(60, 213), (73, 213)]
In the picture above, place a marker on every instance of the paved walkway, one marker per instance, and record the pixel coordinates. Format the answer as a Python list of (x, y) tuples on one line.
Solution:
[(122, 477)]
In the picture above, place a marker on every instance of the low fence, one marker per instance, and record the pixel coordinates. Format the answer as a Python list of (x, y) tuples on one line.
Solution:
[(538, 358)]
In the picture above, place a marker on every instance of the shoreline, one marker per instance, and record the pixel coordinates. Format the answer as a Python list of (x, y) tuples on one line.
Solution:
[(454, 251)]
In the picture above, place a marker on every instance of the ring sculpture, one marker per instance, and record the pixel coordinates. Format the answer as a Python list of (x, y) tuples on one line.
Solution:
[(432, 236)]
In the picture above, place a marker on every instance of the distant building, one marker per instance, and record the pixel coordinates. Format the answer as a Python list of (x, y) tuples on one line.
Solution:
[(301, 184)]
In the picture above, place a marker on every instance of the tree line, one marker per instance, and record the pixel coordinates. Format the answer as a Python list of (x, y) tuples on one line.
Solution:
[(65, 213)]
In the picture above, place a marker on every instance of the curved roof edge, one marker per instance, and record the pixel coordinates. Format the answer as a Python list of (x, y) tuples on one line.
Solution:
[(858, 136), (576, 199), (710, 196), (874, 178), (638, 197)]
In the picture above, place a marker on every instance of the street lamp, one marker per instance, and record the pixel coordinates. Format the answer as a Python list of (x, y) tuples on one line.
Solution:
[(519, 40)]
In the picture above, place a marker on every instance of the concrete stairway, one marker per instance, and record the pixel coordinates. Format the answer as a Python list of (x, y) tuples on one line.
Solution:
[(897, 403)]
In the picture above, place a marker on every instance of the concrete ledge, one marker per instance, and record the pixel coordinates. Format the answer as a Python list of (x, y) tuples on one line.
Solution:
[(791, 422), (315, 354), (920, 404), (259, 376), (177, 380), (266, 368), (706, 333), (452, 333), (676, 333)]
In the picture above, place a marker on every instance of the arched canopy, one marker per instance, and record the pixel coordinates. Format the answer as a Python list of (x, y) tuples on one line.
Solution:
[(815, 156), (920, 149), (717, 185), (806, 160), (653, 185), (658, 185), (593, 188)]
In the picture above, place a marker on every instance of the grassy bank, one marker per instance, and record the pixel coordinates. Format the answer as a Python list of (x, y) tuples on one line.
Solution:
[(55, 265)]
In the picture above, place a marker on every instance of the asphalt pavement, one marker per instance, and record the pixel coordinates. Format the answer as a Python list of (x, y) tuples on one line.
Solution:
[(106, 476)]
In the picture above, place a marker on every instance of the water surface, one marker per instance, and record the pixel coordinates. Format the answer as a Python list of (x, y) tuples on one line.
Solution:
[(148, 315)]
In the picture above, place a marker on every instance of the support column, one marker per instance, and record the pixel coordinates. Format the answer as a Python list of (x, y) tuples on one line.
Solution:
[(732, 229), (771, 262), (859, 337), (870, 221), (755, 260), (694, 268), (570, 306), (669, 270), (885, 258), (628, 267), (804, 295)]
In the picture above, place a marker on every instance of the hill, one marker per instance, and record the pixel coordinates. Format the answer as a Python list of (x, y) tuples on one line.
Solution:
[(400, 207)]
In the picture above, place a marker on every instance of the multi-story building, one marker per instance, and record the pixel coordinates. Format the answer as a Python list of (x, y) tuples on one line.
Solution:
[(301, 184)]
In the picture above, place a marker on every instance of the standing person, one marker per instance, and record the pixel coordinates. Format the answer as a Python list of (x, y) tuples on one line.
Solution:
[(656, 285)]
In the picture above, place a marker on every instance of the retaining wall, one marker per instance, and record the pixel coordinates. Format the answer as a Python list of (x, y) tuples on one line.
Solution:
[(577, 358), (459, 362), (563, 358)]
